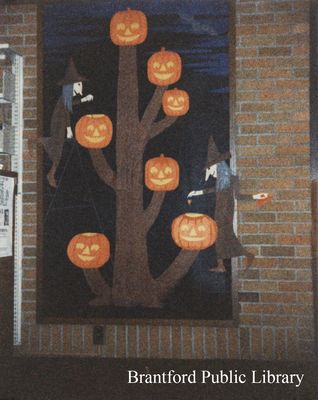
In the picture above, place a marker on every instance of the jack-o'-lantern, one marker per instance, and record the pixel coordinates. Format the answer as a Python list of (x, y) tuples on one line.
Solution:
[(164, 67), (94, 131), (194, 231), (175, 102), (162, 174), (89, 250), (128, 28)]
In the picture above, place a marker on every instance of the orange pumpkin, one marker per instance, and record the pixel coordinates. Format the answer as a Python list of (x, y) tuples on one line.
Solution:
[(162, 174), (164, 68), (128, 28), (94, 131), (193, 231), (175, 102), (89, 250)]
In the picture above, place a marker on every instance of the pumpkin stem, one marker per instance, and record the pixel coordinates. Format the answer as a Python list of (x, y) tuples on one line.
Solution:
[(162, 155), (163, 49)]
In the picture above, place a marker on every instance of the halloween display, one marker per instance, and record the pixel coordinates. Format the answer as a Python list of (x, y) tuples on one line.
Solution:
[(128, 28), (128, 169), (175, 102), (94, 131), (164, 67), (162, 174), (88, 250), (194, 231)]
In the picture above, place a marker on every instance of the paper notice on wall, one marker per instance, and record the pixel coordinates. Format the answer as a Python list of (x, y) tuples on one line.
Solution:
[(6, 215)]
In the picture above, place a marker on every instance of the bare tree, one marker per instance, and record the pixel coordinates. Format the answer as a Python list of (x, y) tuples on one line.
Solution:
[(133, 284)]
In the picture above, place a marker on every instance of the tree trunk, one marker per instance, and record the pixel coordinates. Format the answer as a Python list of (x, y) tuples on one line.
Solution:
[(131, 272), (133, 284)]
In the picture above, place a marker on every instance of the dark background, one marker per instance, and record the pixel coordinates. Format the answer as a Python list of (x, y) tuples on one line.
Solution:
[(198, 31)]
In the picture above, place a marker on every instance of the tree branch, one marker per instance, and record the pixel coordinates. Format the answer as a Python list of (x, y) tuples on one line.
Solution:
[(152, 211), (177, 270), (98, 286), (102, 167), (153, 107), (158, 127)]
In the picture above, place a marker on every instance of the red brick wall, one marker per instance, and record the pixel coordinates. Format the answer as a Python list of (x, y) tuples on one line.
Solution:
[(271, 135), (272, 115)]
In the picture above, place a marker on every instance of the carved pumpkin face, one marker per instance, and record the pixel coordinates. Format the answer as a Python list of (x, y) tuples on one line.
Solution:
[(164, 68), (88, 250), (175, 102), (128, 28), (162, 174), (94, 131), (193, 231)]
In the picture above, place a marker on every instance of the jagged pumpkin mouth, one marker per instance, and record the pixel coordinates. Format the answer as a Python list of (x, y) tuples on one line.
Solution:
[(163, 76), (161, 181), (97, 139), (129, 38)]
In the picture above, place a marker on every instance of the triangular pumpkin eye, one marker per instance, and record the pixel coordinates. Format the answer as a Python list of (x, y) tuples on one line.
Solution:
[(95, 247), (135, 26), (180, 99), (102, 127), (156, 64), (80, 246), (170, 64), (90, 127), (201, 228), (184, 228), (168, 170)]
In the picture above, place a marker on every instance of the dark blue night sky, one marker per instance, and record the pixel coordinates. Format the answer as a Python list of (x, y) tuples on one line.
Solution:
[(198, 31)]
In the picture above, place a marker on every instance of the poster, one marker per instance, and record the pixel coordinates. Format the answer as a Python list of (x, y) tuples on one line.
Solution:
[(6, 215)]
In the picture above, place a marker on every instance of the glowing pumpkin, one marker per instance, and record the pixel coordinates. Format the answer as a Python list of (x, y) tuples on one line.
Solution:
[(89, 250), (94, 131), (162, 174), (175, 102), (128, 28), (164, 68), (193, 231)]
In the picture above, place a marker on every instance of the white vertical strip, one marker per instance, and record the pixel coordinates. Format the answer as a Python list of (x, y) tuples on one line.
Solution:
[(17, 166)]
